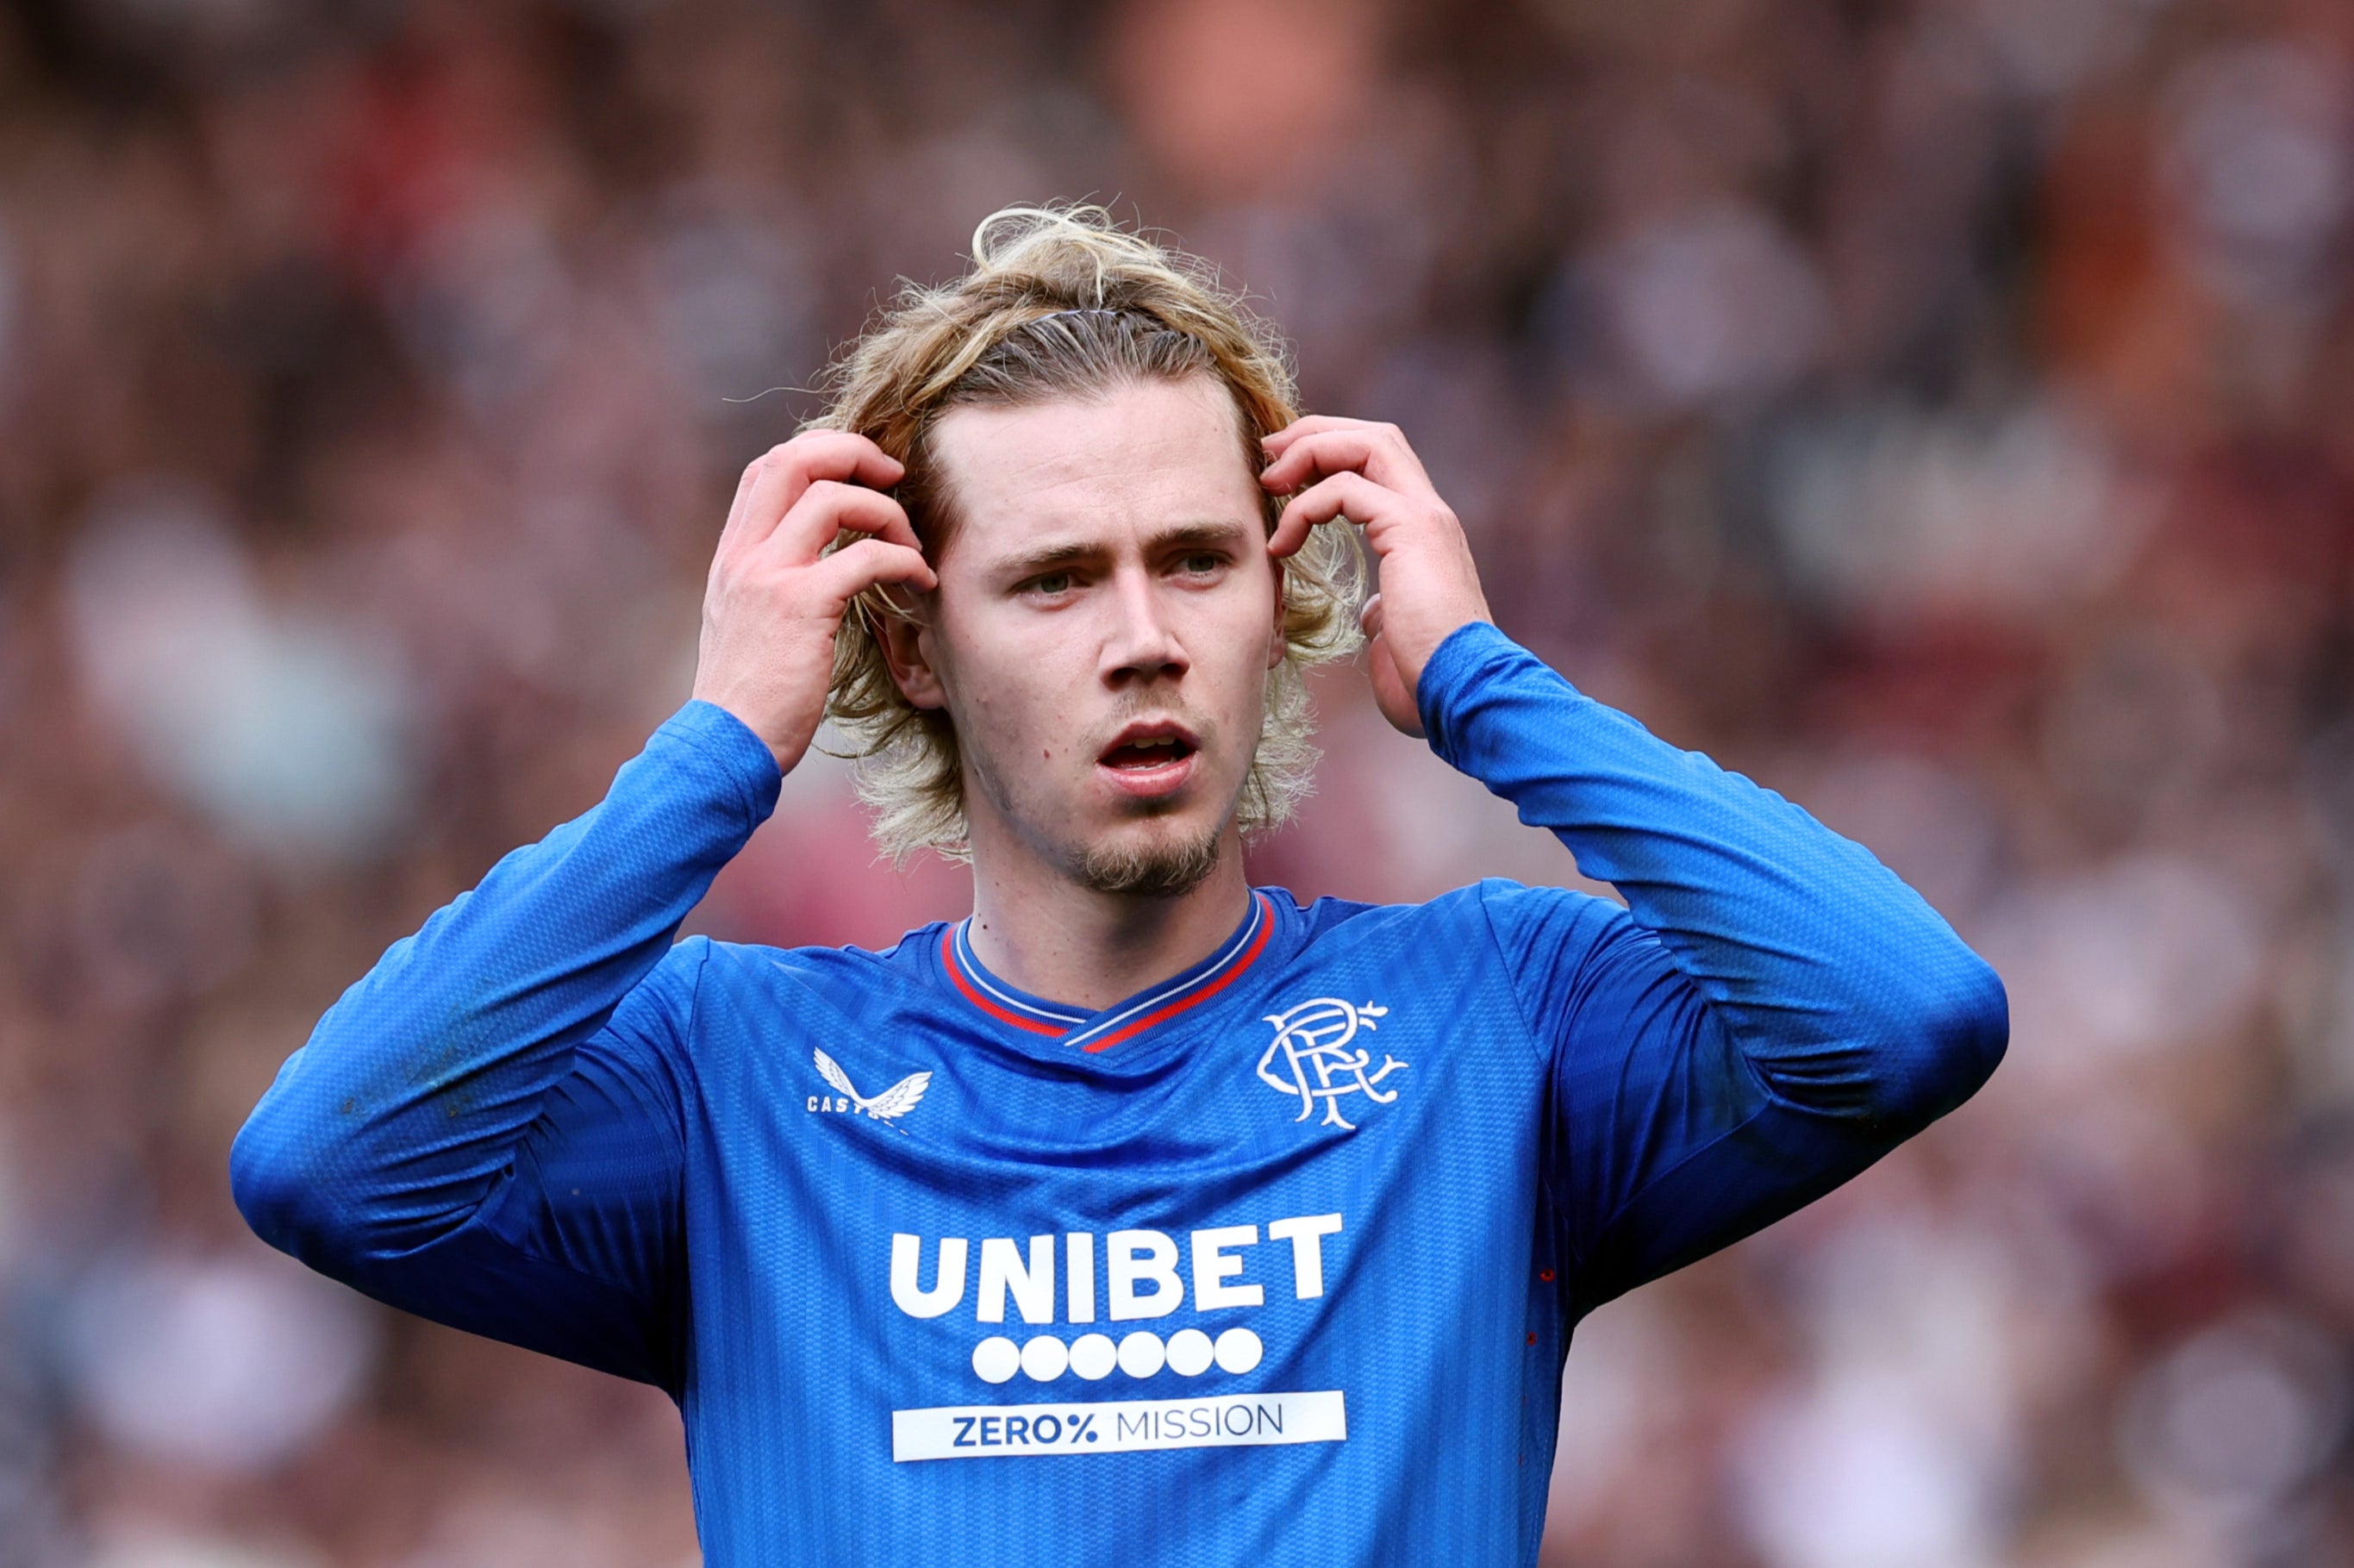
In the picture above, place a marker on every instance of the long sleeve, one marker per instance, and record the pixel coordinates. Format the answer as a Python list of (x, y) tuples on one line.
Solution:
[(486, 1128), (1773, 1011)]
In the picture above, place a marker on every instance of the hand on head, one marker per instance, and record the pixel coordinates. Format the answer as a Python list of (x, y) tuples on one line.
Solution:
[(1362, 472), (775, 599)]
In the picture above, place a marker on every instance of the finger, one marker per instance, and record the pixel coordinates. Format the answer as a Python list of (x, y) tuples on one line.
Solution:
[(861, 565), (1379, 452), (790, 470), (826, 508), (1307, 425), (1369, 617), (1316, 425), (1350, 495)]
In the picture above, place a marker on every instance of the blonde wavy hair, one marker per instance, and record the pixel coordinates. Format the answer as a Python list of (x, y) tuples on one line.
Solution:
[(1061, 303)]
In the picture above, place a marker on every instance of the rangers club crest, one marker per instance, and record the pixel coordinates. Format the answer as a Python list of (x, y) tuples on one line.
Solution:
[(1314, 1057)]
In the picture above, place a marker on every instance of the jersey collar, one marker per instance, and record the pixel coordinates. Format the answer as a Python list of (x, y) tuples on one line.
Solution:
[(1098, 1031)]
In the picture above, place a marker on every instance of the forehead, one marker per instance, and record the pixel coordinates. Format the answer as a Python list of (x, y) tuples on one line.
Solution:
[(1081, 470)]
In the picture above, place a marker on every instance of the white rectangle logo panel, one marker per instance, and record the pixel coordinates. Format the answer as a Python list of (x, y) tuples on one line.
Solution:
[(1125, 1426)]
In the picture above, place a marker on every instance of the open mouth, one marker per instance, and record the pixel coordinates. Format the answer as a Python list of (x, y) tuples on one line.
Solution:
[(1149, 761), (1145, 754)]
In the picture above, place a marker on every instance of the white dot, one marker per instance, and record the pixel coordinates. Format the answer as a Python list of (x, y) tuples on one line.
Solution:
[(996, 1359), (1238, 1350), (1140, 1354), (1093, 1356), (1044, 1358), (1189, 1353)]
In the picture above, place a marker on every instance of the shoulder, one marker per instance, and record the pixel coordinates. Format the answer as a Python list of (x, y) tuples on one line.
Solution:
[(1495, 903), (1319, 915), (1539, 943), (1502, 902), (833, 973)]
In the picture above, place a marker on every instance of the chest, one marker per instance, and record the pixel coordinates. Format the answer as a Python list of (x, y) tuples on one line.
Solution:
[(1253, 1171)]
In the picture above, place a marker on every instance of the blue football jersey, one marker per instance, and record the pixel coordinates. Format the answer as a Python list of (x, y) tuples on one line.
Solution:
[(1274, 1263)]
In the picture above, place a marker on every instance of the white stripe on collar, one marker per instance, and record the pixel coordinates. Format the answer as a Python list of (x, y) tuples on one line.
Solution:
[(1175, 990)]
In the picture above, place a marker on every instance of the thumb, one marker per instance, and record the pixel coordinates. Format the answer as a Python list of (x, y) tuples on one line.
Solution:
[(1391, 695)]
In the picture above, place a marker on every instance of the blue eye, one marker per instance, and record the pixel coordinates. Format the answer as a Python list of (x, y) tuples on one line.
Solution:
[(1050, 583)]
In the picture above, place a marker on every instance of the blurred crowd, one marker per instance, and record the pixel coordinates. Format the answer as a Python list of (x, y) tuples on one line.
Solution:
[(1942, 410)]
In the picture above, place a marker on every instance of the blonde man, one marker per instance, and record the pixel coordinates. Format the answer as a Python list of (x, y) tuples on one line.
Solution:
[(1143, 1216)]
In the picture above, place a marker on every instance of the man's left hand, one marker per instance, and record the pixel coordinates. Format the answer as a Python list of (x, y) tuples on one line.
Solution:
[(1365, 473)]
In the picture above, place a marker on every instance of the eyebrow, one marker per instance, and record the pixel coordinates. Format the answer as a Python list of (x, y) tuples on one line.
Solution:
[(1046, 557)]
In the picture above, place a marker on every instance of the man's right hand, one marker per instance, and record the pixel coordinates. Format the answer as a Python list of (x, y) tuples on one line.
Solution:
[(774, 600)]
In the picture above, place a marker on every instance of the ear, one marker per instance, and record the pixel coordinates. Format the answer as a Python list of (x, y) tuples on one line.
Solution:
[(1275, 645), (908, 648)]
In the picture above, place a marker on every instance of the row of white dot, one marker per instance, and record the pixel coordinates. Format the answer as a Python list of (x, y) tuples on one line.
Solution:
[(1189, 1353)]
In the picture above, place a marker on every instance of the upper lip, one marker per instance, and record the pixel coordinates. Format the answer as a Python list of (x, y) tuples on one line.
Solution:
[(1152, 729)]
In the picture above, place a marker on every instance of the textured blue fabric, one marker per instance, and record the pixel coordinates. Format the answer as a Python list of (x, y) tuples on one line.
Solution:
[(1370, 1164)]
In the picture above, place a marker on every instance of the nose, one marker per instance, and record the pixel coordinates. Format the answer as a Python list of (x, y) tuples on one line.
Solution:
[(1140, 645)]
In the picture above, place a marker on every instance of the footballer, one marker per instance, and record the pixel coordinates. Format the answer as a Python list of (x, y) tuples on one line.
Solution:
[(1143, 1216)]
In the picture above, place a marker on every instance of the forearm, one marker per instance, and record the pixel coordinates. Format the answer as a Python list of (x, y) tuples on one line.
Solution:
[(1846, 992), (394, 1122)]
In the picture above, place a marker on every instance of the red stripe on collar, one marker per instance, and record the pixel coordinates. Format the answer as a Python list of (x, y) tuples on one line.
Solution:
[(1258, 945), (973, 993)]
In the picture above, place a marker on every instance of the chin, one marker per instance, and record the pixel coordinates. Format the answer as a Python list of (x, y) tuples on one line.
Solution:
[(1172, 857)]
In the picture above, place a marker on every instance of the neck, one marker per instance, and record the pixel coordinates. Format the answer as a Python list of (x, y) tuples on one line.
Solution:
[(1036, 927)]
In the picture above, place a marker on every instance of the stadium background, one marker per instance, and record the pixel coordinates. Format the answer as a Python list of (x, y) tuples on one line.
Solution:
[(1943, 411)]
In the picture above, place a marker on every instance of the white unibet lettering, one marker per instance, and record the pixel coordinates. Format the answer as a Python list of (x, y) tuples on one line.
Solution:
[(1213, 1268), (1134, 1256), (947, 1279), (1079, 1274), (1306, 1233), (1001, 1269)]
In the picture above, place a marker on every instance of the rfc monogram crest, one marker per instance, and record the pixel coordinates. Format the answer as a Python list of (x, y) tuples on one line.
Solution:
[(1314, 1056)]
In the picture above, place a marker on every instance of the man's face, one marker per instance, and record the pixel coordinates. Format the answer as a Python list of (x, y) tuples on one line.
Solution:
[(1106, 618)]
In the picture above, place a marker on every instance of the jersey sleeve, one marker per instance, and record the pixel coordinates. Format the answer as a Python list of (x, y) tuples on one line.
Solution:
[(487, 1129), (1774, 1010)]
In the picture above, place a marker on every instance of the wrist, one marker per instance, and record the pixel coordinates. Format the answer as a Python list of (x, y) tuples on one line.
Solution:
[(1465, 657), (724, 741), (1414, 640), (745, 714), (1439, 593)]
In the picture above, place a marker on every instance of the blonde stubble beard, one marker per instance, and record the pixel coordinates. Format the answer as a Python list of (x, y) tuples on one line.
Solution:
[(1162, 869)]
